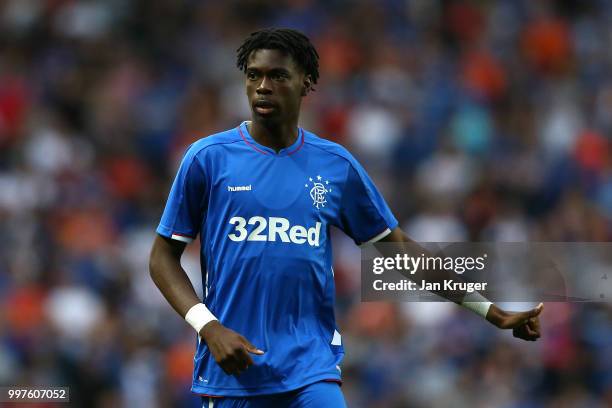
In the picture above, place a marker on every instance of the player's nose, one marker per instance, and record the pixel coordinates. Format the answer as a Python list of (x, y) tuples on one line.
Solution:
[(264, 86)]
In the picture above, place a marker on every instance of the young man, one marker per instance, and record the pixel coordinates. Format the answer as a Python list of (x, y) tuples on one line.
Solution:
[(263, 197)]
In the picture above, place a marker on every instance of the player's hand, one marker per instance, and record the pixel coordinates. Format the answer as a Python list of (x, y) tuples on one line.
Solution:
[(230, 350), (524, 325)]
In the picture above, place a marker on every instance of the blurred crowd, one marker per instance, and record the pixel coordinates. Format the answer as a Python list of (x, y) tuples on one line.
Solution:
[(478, 120)]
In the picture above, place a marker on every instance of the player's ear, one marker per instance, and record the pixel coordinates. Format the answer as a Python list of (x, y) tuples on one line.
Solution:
[(306, 85)]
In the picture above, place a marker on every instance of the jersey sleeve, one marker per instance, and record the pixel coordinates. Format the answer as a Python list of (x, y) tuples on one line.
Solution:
[(186, 205), (364, 214)]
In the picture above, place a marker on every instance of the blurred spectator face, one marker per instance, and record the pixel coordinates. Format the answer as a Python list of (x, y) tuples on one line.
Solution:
[(275, 86)]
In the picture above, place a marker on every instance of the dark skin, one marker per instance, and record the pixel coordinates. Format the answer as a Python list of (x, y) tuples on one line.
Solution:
[(230, 350), (275, 85)]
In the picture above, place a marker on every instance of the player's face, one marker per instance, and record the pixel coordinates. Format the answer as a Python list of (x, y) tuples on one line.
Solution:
[(274, 85)]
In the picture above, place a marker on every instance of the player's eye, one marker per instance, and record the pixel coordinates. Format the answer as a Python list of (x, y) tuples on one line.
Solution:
[(279, 76), (251, 75)]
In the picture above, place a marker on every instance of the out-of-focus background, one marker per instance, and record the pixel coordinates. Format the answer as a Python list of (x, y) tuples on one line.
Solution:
[(478, 120)]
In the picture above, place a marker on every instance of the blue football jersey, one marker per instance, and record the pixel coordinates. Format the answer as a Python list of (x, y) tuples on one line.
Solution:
[(264, 221)]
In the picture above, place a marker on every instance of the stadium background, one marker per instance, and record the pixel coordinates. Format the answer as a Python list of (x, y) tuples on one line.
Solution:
[(478, 120)]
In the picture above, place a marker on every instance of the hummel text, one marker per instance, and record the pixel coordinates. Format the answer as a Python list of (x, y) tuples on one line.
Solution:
[(239, 188)]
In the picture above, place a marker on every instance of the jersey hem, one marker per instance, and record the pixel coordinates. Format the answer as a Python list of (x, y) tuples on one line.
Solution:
[(253, 391)]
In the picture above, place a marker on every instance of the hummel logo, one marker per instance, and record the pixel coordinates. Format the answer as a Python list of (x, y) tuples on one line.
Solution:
[(239, 188)]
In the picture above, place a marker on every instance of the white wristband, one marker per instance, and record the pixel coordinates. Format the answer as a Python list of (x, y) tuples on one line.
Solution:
[(477, 304), (198, 316)]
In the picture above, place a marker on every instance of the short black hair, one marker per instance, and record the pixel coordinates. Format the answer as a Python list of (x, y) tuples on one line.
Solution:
[(286, 40)]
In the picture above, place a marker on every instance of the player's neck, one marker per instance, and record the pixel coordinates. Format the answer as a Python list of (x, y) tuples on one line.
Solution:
[(276, 136)]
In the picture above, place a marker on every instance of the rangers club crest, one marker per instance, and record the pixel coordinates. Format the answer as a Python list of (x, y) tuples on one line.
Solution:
[(318, 190)]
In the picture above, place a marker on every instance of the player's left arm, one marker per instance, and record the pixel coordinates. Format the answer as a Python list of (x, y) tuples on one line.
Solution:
[(524, 325)]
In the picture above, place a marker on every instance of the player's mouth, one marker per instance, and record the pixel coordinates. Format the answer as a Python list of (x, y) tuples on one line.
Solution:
[(264, 107)]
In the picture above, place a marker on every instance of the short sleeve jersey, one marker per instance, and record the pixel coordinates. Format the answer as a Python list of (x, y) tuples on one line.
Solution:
[(264, 221)]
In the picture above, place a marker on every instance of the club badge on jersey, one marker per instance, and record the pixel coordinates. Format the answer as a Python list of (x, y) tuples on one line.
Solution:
[(318, 190)]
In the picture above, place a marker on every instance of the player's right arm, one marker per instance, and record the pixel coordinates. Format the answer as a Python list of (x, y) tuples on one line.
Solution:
[(230, 349), (169, 276), (180, 224)]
